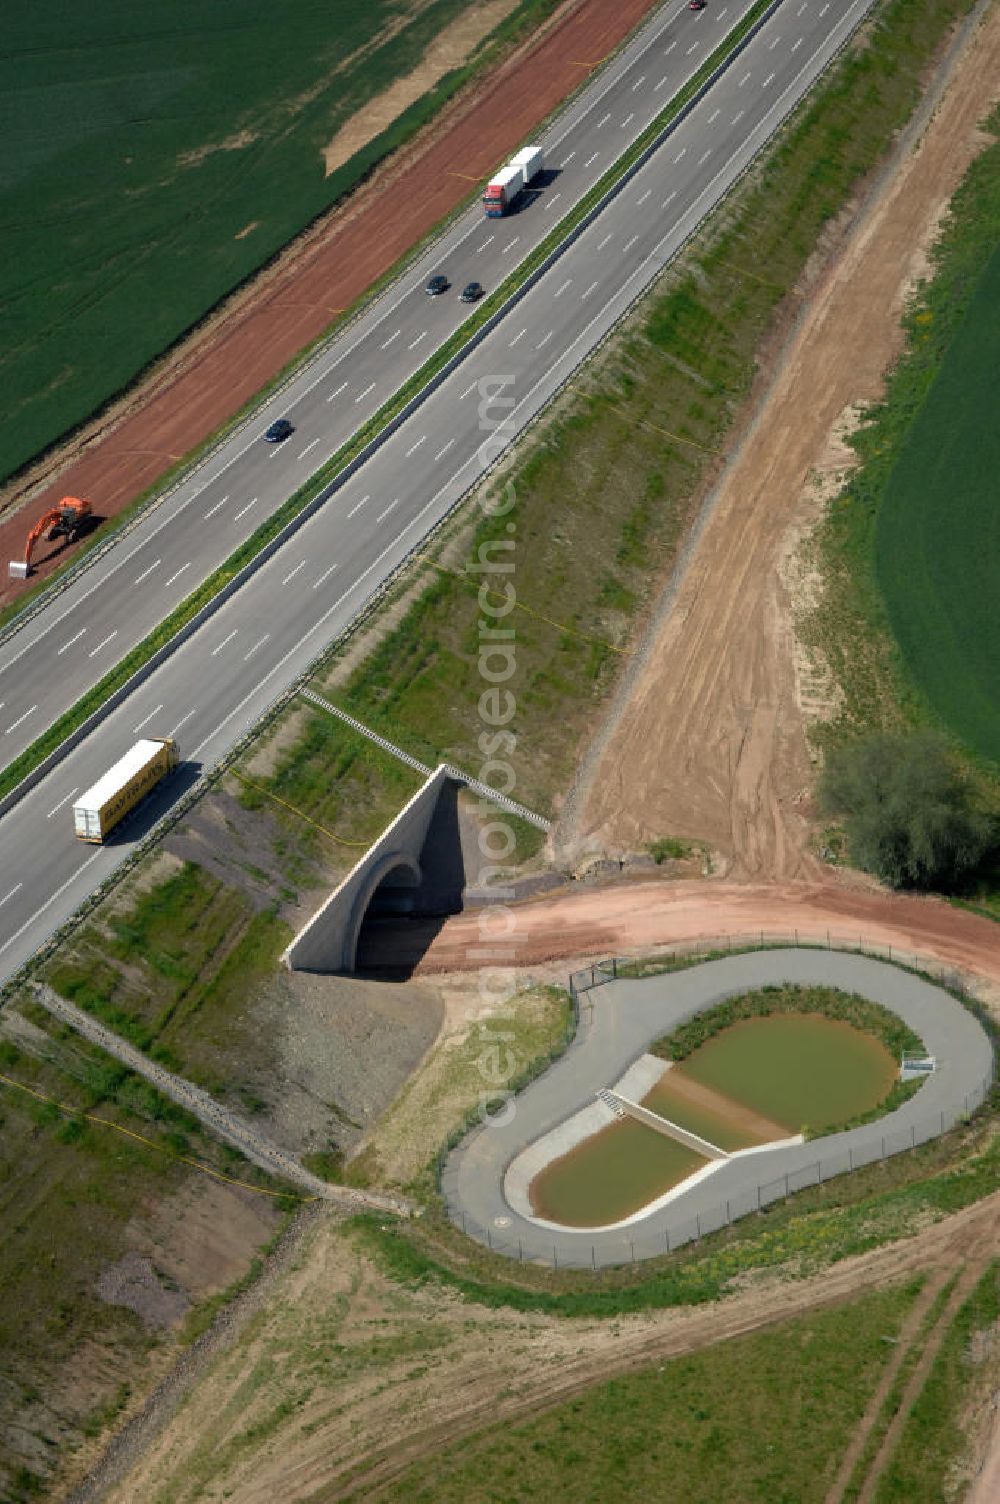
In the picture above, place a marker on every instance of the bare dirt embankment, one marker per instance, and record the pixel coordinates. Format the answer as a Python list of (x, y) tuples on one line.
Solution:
[(710, 741), (210, 377)]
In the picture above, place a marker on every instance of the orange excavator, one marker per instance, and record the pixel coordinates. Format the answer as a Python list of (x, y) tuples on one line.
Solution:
[(65, 520)]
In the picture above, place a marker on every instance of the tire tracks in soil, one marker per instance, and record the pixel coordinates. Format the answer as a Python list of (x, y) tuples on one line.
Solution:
[(936, 1250)]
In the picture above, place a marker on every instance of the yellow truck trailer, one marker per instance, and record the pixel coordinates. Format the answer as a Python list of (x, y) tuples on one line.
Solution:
[(98, 811)]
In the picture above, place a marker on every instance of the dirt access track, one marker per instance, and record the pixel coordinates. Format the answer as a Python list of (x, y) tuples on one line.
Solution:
[(633, 918), (215, 374)]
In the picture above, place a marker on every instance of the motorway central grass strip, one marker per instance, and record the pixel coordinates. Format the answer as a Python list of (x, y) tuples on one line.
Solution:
[(763, 1417)]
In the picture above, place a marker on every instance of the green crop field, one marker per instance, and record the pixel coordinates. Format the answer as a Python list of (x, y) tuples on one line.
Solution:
[(155, 156), (937, 540)]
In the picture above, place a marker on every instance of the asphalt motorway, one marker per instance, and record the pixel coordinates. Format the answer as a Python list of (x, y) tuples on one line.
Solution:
[(47, 665), (218, 684)]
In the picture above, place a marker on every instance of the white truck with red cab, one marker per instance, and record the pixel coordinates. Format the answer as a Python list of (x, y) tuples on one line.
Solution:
[(506, 185)]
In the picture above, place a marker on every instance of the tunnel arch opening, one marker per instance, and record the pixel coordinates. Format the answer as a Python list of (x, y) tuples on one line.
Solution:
[(390, 892)]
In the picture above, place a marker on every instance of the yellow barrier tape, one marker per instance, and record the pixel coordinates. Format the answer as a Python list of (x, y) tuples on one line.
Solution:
[(743, 272), (559, 626), (184, 1159), (301, 813), (705, 448)]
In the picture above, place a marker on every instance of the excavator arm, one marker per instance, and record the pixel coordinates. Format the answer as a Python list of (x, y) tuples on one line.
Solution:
[(62, 521)]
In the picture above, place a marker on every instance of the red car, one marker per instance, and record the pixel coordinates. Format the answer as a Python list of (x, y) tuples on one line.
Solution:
[(696, 4)]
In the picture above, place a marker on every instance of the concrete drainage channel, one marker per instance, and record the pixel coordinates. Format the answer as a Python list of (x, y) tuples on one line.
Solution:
[(617, 1025)]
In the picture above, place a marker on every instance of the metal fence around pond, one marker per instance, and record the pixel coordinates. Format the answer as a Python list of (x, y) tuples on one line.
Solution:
[(565, 1249), (709, 947), (568, 1250)]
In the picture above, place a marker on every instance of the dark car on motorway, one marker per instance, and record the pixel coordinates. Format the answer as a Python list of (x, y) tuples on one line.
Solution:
[(696, 4), (280, 429), (472, 292), (436, 286)]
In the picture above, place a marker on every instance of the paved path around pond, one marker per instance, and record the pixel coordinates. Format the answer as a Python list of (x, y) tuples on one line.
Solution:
[(619, 1020)]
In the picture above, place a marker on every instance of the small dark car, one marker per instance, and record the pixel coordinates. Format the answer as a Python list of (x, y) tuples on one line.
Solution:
[(280, 429), (436, 286), (696, 4), (471, 292)]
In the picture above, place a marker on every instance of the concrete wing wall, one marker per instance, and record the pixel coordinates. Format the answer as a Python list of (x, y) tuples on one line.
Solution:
[(329, 941)]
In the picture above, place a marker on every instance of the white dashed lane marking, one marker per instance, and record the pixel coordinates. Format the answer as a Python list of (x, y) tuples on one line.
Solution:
[(146, 720), (20, 720), (57, 807)]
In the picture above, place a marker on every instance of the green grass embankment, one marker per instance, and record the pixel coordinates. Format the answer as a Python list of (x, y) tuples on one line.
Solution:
[(761, 1417), (174, 972)]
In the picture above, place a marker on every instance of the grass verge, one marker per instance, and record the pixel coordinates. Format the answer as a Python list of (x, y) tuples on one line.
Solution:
[(934, 1437), (173, 973), (683, 1429)]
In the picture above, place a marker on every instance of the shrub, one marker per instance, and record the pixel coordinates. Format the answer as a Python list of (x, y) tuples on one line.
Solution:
[(907, 810)]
